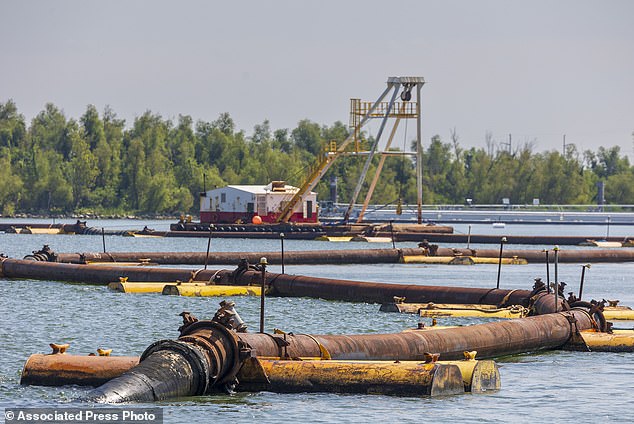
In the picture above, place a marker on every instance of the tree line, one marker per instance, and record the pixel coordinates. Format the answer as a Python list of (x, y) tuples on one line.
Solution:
[(97, 164)]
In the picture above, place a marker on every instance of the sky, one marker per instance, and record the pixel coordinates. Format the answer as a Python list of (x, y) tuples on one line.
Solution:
[(536, 70)]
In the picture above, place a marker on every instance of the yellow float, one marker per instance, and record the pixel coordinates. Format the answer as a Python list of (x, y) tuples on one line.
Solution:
[(461, 260)]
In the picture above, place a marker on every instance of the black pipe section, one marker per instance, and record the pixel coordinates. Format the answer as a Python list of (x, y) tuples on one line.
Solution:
[(168, 369)]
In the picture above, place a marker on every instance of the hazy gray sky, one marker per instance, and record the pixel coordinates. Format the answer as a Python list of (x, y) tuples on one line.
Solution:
[(536, 69)]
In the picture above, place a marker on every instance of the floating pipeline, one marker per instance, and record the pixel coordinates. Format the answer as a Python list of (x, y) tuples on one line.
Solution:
[(294, 231), (479, 376), (208, 355), (357, 256), (16, 227), (434, 310), (538, 256), (365, 229), (428, 254), (284, 285), (77, 228), (287, 376), (495, 239)]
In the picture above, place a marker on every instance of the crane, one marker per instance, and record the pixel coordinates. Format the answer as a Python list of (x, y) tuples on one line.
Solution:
[(360, 115)]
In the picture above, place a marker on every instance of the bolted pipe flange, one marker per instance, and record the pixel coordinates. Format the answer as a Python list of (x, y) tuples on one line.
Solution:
[(595, 312), (224, 347), (194, 356), (45, 254)]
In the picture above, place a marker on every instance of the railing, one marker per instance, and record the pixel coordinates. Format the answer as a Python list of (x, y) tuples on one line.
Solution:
[(495, 207), (359, 109)]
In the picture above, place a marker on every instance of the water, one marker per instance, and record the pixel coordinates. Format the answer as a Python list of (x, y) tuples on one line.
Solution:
[(551, 386)]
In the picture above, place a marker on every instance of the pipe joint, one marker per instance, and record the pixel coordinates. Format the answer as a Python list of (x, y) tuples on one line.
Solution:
[(45, 254), (221, 345), (594, 311)]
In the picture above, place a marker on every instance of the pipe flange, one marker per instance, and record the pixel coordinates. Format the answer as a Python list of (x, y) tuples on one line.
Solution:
[(228, 335), (596, 315), (194, 356)]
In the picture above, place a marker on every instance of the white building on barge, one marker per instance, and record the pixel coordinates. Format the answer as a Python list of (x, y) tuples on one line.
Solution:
[(241, 203)]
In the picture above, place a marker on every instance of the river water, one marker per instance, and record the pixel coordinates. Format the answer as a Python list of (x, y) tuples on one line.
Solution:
[(549, 386)]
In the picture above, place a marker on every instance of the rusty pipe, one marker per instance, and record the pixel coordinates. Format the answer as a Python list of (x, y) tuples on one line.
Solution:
[(359, 291), (286, 285), (490, 340), (217, 258), (19, 268), (209, 354), (537, 256), (359, 256), (492, 239), (61, 369)]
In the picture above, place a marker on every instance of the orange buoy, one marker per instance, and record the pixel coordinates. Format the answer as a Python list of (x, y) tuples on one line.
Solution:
[(257, 220)]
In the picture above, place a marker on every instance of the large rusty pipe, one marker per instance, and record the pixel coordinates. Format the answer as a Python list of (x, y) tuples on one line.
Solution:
[(165, 371), (360, 256), (494, 239), (360, 291), (280, 284), (537, 256), (20, 268), (489, 340)]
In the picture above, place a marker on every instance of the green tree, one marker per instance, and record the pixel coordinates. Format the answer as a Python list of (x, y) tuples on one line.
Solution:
[(12, 126), (81, 168), (307, 136)]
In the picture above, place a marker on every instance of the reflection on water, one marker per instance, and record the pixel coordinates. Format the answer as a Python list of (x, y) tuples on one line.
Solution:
[(553, 386)]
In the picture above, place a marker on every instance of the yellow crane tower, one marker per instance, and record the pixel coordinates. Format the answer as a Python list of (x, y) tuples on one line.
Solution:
[(360, 115)]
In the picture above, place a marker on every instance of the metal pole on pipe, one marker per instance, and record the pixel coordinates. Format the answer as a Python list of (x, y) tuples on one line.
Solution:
[(263, 264), (103, 239), (547, 271), (211, 227), (583, 274), (502, 241), (469, 237), (556, 288), (391, 233), (282, 243)]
